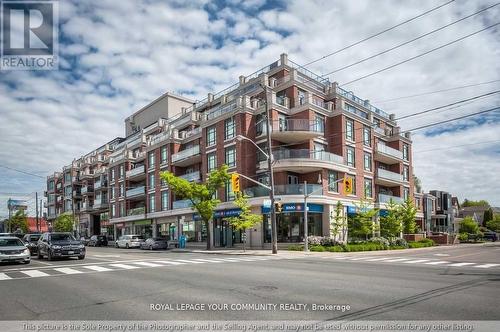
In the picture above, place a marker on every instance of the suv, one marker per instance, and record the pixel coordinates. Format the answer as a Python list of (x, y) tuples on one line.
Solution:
[(55, 245), (129, 241), (98, 241), (31, 241)]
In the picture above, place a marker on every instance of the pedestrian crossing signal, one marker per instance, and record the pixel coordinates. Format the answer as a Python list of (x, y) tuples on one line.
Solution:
[(347, 185), (235, 182)]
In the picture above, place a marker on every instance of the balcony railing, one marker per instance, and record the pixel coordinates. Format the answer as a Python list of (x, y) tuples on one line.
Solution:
[(385, 198), (181, 204), (220, 110), (287, 189), (389, 151), (307, 154), (349, 95), (189, 152), (194, 176), (298, 125), (136, 171), (136, 211), (87, 189), (136, 191), (385, 174)]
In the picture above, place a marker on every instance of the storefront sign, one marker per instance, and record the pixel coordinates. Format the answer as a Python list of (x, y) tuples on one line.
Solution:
[(294, 207), (143, 222), (221, 214)]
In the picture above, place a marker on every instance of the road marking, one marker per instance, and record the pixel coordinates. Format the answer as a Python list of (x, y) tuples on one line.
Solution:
[(105, 256), (360, 258), (97, 268), (188, 261), (380, 259), (441, 254), (170, 262), (416, 261), (148, 264), (3, 276), (206, 260), (341, 257), (43, 263), (461, 264), (234, 259), (397, 260), (485, 266), (67, 270), (124, 266), (35, 273), (437, 263)]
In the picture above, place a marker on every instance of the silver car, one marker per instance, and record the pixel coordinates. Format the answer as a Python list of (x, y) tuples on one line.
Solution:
[(129, 241), (12, 249)]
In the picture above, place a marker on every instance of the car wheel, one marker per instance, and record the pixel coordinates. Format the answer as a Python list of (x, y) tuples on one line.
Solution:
[(49, 255), (150, 247), (126, 245), (81, 257)]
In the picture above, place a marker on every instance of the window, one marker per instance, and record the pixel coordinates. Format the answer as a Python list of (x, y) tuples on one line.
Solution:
[(368, 188), (122, 209), (368, 162), (406, 193), (122, 171), (164, 200), (405, 152), (302, 97), (163, 183), (406, 173), (230, 160), (350, 156), (151, 202), (67, 177), (367, 136), (349, 129), (229, 191), (353, 184), (211, 136), (151, 158), (229, 129), (122, 190), (376, 122), (292, 179), (163, 154), (112, 193), (260, 124), (319, 123), (151, 180), (211, 161), (260, 155), (51, 185), (333, 185), (113, 174), (113, 210)]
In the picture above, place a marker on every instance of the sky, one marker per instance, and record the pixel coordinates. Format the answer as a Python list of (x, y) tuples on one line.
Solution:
[(117, 56)]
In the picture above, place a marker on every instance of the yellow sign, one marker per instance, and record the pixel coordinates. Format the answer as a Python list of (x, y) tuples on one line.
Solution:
[(235, 182), (278, 207), (347, 185)]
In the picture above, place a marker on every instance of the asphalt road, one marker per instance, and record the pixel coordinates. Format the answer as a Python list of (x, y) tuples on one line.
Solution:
[(445, 283)]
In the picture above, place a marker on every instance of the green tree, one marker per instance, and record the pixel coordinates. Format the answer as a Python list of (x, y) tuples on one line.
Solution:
[(201, 195), (488, 216), (390, 224), (361, 225), (64, 223), (408, 212), (338, 224), (18, 222), (468, 225), (418, 184), (494, 224), (468, 203), (246, 219)]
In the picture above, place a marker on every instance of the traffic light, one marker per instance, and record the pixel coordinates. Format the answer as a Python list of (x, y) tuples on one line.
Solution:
[(235, 182), (278, 207), (347, 185)]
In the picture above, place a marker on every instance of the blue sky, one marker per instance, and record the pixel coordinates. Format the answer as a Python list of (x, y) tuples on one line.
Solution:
[(118, 56)]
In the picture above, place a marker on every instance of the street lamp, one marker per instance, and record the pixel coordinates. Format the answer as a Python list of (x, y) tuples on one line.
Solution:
[(306, 196), (243, 138)]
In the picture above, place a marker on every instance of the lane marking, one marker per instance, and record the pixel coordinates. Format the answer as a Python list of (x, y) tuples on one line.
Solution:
[(462, 264), (485, 266), (360, 258), (67, 270), (441, 254), (170, 262), (97, 268), (206, 260), (35, 273), (184, 261), (437, 263), (380, 259), (148, 264), (3, 276), (124, 266), (416, 261), (398, 260)]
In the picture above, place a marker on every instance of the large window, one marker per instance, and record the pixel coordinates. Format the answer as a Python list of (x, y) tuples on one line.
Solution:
[(349, 129), (112, 193), (230, 159), (350, 156), (211, 161), (122, 209), (151, 157), (260, 124), (353, 176), (405, 152), (51, 185), (229, 191), (112, 174), (164, 154), (164, 200), (333, 185), (151, 202), (122, 190), (367, 136), (113, 210), (211, 136), (229, 128), (406, 173), (319, 123), (406, 193), (151, 180), (367, 164), (368, 188), (122, 171)]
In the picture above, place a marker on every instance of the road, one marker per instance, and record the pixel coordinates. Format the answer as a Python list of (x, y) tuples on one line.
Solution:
[(445, 283)]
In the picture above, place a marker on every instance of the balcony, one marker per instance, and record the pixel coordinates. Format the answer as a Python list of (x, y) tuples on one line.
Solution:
[(100, 185), (286, 189), (100, 205), (137, 173), (388, 178), (137, 192), (87, 190), (387, 155), (192, 177), (305, 161), (385, 198), (182, 204), (86, 207), (296, 130), (187, 157), (136, 211)]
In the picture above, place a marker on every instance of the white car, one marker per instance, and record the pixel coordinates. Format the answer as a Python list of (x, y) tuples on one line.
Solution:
[(13, 250), (129, 241)]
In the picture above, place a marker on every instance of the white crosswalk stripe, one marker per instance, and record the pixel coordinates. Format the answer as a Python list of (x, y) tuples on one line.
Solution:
[(170, 262), (380, 259), (35, 273), (485, 266), (397, 260), (3, 276), (67, 270), (437, 263), (148, 264), (125, 266), (97, 268), (188, 261), (206, 260), (461, 264), (416, 261)]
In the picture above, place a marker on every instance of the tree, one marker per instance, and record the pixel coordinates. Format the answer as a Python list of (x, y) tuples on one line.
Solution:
[(494, 224), (64, 223), (201, 195), (408, 212), (361, 225), (390, 224), (468, 225), (418, 184), (18, 222), (246, 219), (468, 203), (338, 224), (488, 216)]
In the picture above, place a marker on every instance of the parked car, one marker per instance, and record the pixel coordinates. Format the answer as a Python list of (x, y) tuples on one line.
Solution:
[(129, 241), (12, 249), (84, 240), (154, 243), (492, 236), (98, 241), (59, 245), (31, 242), (18, 235)]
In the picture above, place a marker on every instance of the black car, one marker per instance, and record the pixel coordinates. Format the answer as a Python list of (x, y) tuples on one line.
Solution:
[(492, 236), (59, 245), (31, 241), (98, 241)]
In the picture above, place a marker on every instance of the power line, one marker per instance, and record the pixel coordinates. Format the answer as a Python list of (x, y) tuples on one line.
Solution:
[(419, 55), (21, 171), (457, 146), (435, 91), (378, 33), (410, 41)]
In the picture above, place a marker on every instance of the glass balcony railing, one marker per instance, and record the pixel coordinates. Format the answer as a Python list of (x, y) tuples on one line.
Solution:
[(135, 191), (385, 174), (307, 154), (389, 151), (181, 204), (287, 189), (184, 154), (385, 198), (291, 125), (194, 176), (136, 211), (136, 171)]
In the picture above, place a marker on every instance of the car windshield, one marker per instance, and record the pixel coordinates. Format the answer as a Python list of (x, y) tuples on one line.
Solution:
[(137, 238), (62, 237), (11, 243), (33, 238)]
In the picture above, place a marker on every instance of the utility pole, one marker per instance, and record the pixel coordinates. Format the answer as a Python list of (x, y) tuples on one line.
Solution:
[(274, 235), (41, 217), (10, 216), (36, 204), (306, 243)]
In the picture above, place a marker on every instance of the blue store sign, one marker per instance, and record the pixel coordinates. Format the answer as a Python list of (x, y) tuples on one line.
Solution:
[(293, 207), (221, 214)]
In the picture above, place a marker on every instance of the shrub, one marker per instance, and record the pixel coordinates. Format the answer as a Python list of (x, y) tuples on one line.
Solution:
[(421, 243), (336, 248), (463, 237), (380, 240), (397, 247), (398, 242), (314, 240), (365, 247), (428, 241), (295, 247), (317, 248), (321, 240)]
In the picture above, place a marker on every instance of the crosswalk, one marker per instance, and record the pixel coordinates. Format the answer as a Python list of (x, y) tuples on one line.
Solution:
[(415, 260), (118, 266)]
